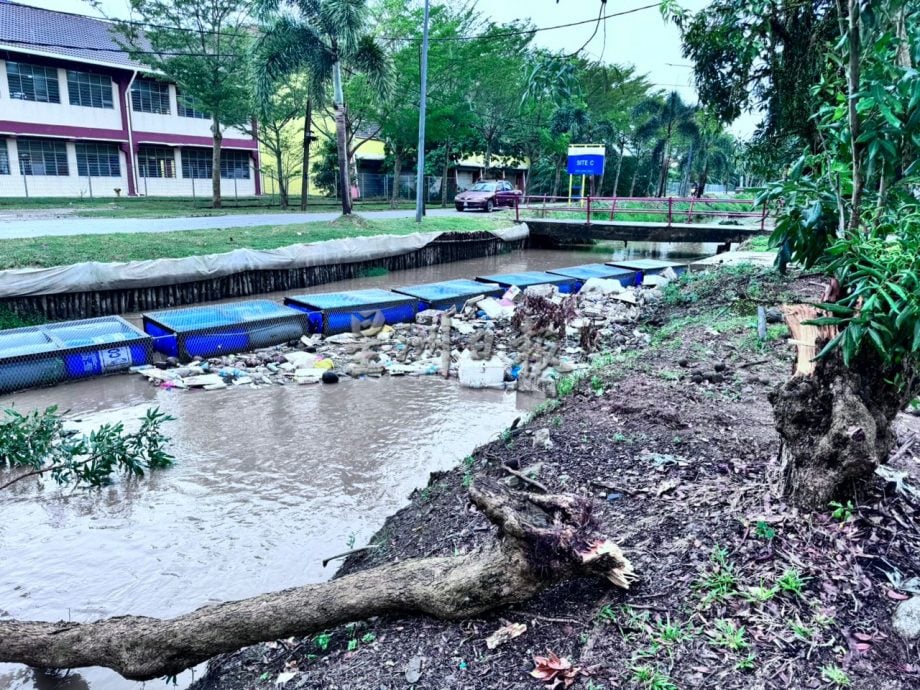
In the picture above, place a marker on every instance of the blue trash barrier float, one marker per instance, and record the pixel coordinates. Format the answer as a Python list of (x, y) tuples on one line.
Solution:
[(449, 293), (606, 271), (55, 352), (651, 267), (339, 312), (529, 278), (222, 329)]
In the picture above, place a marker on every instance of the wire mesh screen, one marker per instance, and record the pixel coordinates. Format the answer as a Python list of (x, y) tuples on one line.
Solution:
[(449, 293), (354, 310), (528, 278), (223, 329), (50, 353)]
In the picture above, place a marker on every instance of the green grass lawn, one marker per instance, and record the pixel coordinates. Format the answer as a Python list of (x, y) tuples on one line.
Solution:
[(58, 251), (172, 207)]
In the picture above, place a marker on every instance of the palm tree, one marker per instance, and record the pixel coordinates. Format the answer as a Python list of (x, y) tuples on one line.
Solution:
[(673, 118), (318, 37)]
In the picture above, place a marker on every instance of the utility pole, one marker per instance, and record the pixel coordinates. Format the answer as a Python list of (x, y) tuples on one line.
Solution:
[(420, 177)]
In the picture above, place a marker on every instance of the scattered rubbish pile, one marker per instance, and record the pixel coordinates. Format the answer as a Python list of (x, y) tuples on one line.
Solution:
[(525, 339)]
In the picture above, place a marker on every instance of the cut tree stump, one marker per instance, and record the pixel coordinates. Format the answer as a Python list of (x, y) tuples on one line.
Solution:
[(543, 539), (834, 420)]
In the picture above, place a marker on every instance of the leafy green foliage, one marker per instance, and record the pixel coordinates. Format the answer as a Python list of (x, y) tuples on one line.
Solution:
[(38, 443), (842, 511), (849, 208)]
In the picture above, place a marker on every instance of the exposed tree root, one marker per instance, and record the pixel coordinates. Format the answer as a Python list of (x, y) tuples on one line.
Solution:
[(543, 540)]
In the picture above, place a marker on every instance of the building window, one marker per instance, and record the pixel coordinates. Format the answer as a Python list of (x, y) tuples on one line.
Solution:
[(4, 158), (150, 96), (156, 161), (89, 90), (197, 163), (234, 164), (33, 82), (185, 109), (42, 157), (98, 160)]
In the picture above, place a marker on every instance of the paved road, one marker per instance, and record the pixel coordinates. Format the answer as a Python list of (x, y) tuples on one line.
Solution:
[(22, 227)]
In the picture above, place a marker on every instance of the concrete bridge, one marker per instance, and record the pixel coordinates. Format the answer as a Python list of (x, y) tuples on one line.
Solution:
[(641, 219)]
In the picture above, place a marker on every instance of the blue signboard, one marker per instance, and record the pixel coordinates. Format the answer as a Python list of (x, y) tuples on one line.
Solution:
[(586, 161)]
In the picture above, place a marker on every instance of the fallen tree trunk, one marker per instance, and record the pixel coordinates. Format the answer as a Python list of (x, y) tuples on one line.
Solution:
[(543, 540)]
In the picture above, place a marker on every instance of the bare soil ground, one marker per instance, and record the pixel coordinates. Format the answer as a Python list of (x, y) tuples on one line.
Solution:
[(676, 443)]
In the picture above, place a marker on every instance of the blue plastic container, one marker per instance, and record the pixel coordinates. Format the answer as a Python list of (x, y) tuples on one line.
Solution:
[(585, 271), (223, 328), (449, 293), (339, 312), (528, 278), (50, 353), (651, 267)]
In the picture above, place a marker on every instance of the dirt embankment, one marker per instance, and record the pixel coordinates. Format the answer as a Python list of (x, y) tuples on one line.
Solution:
[(676, 443)]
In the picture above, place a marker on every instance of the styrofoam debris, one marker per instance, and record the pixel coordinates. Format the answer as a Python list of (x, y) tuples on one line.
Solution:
[(204, 380), (481, 373), (602, 286)]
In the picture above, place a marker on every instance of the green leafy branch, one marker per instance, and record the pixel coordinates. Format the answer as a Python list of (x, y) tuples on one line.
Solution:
[(38, 443)]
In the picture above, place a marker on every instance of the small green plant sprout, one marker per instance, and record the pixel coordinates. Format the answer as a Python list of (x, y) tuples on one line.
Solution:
[(668, 633), (800, 630), (368, 637), (720, 581), (651, 678), (760, 594), (619, 438), (352, 645), (322, 640), (606, 614), (842, 512), (747, 663), (727, 634), (597, 385), (763, 531), (792, 582), (836, 676)]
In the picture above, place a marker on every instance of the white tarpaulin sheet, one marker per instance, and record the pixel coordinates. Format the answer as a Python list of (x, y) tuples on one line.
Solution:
[(93, 275)]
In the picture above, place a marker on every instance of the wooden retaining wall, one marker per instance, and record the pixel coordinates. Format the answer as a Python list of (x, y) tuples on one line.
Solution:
[(455, 246)]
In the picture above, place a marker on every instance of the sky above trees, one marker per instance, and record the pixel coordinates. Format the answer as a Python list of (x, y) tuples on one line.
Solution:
[(641, 38)]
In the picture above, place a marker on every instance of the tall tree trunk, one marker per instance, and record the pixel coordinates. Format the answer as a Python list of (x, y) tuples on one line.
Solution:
[(558, 175), (397, 171), (215, 162), (341, 137), (305, 172), (446, 173), (616, 177), (665, 165), (632, 184), (704, 178), (344, 182), (544, 540), (282, 180), (852, 87)]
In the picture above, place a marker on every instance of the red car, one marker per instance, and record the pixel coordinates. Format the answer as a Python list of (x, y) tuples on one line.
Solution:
[(486, 195)]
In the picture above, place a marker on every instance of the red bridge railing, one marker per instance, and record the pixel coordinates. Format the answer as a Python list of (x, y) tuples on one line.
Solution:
[(668, 210)]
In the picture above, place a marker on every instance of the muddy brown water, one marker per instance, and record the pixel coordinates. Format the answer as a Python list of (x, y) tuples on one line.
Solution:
[(267, 483)]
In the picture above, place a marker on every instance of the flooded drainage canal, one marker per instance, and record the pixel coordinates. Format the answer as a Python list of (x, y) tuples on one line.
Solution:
[(267, 482)]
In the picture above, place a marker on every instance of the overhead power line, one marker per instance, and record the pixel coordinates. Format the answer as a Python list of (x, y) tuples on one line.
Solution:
[(494, 34)]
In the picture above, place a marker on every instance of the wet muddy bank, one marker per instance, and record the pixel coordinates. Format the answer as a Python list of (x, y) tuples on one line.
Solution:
[(678, 462), (166, 292)]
